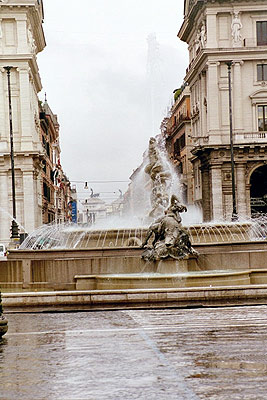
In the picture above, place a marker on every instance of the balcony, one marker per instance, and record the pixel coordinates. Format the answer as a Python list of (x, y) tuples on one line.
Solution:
[(255, 135), (251, 137), (174, 128)]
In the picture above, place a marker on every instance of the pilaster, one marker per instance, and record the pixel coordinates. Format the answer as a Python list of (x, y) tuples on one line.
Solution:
[(29, 197), (22, 35), (206, 194), (25, 109), (237, 95), (241, 189), (213, 96), (203, 114), (217, 195), (211, 29), (3, 133), (4, 205)]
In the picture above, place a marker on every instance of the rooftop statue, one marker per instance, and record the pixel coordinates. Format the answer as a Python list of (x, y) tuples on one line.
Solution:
[(169, 237)]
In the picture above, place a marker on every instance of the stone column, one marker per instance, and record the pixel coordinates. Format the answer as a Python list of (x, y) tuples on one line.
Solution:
[(217, 195), (213, 96), (3, 132), (4, 207), (1, 37), (241, 190), (205, 177), (25, 109), (203, 104), (254, 117), (29, 201), (237, 96)]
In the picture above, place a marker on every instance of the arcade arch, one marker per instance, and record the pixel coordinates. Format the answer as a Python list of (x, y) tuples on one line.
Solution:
[(258, 191)]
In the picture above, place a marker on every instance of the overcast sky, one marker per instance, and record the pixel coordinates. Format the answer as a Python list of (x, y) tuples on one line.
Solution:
[(98, 81)]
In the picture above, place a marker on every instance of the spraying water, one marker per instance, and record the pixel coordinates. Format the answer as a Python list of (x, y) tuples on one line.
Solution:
[(152, 186), (12, 218)]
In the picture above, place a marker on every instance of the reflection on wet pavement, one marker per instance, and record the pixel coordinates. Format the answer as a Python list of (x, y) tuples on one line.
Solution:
[(215, 353)]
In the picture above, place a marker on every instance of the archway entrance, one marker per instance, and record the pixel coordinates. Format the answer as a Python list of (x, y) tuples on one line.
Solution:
[(258, 191)]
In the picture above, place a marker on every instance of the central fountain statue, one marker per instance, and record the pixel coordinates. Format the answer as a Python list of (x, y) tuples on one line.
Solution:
[(169, 237)]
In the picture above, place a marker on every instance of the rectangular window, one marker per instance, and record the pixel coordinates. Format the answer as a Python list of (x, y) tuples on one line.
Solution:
[(261, 33), (262, 118), (46, 191), (262, 72)]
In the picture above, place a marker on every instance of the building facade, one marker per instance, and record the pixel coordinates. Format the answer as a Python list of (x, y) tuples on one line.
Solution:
[(57, 193), (179, 142), (227, 39), (49, 133), (21, 39), (93, 210)]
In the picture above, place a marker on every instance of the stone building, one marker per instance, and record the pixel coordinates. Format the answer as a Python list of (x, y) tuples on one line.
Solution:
[(56, 188), (21, 39), (219, 32), (49, 137), (179, 142), (93, 210)]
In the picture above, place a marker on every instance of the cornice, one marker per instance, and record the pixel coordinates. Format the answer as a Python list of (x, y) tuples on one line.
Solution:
[(34, 10), (239, 55), (193, 8)]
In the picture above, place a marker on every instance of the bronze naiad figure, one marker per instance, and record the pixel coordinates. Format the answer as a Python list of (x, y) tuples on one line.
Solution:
[(3, 320), (169, 237)]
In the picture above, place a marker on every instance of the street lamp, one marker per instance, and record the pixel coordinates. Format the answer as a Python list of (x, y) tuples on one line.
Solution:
[(234, 213), (14, 225)]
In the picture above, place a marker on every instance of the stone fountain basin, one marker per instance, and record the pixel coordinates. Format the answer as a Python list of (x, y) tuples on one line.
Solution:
[(178, 280)]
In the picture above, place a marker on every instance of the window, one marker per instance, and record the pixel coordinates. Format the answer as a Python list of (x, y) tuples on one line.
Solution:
[(179, 144), (262, 72), (262, 118), (262, 33), (46, 191)]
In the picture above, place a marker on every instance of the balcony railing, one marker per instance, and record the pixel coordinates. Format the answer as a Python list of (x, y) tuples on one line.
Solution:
[(173, 128), (255, 135)]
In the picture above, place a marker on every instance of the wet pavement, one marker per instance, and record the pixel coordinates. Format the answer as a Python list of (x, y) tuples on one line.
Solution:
[(206, 353)]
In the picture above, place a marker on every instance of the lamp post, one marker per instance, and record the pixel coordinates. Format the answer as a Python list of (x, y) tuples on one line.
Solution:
[(234, 213), (14, 225)]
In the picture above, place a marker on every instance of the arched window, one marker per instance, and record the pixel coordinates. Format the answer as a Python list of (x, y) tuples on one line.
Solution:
[(258, 191)]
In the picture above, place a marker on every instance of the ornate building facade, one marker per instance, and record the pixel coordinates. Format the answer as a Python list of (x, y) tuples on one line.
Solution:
[(234, 33), (21, 39), (57, 193), (49, 137), (178, 140)]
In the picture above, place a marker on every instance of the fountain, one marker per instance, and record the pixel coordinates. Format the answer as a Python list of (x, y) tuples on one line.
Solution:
[(156, 256), (3, 320)]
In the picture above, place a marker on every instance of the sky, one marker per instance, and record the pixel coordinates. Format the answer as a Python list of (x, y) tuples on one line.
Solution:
[(108, 86)]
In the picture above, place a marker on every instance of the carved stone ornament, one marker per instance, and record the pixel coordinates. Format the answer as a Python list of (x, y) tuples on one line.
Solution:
[(31, 41), (236, 30), (203, 35)]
